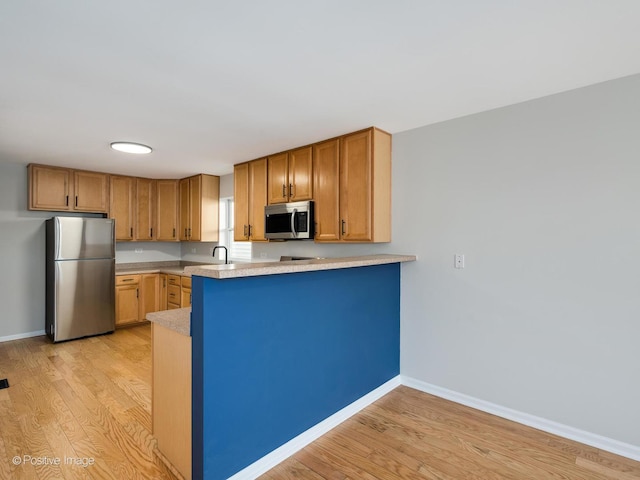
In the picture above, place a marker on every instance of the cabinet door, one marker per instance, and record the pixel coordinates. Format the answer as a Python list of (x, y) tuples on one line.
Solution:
[(209, 208), (278, 178), (145, 209), (258, 198), (241, 201), (121, 206), (195, 208), (127, 304), (300, 174), (167, 210), (185, 301), (91, 191), (149, 298), (162, 291), (49, 188), (326, 175), (185, 209), (355, 187)]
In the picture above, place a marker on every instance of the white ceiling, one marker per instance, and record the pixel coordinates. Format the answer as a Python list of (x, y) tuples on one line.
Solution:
[(212, 83)]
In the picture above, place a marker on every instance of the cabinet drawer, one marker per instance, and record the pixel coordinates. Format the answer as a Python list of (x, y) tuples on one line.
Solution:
[(173, 294), (127, 279), (173, 280), (186, 282)]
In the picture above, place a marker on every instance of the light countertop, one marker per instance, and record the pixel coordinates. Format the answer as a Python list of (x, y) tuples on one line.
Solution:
[(238, 270), (178, 320)]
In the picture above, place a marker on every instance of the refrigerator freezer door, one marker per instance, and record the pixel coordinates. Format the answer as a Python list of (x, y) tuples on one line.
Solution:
[(84, 298), (77, 237)]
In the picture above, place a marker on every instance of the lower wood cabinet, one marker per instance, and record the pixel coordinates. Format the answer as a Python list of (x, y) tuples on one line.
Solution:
[(136, 295), (171, 396), (185, 299), (127, 299), (174, 291)]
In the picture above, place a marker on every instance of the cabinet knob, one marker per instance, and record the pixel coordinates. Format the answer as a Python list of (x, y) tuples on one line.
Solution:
[(343, 227), (291, 190), (284, 190)]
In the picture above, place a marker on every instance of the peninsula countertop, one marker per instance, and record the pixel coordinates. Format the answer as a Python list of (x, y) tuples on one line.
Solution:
[(239, 270), (178, 320)]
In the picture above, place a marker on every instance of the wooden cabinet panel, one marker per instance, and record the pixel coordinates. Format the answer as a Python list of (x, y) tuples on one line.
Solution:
[(186, 292), (289, 176), (149, 295), (257, 199), (174, 291), (162, 291), (121, 197), (199, 213), (326, 172), (241, 202), (357, 206), (278, 178), (63, 189), (167, 210), (185, 209), (301, 174), (145, 209), (250, 196), (49, 188), (171, 396), (127, 299), (355, 187), (137, 295), (91, 191)]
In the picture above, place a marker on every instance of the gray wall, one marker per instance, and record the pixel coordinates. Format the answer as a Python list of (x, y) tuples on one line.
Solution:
[(543, 198)]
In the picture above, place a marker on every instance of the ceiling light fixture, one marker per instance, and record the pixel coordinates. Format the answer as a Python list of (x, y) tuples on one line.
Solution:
[(130, 147)]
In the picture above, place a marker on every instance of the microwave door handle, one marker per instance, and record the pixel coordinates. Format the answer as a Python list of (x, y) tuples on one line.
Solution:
[(293, 223)]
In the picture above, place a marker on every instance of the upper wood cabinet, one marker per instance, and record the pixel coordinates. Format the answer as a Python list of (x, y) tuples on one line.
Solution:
[(91, 191), (290, 176), (167, 210), (199, 198), (250, 198), (326, 176), (122, 195), (145, 218), (62, 189), (361, 194)]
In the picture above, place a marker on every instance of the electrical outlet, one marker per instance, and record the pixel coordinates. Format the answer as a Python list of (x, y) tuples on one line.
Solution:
[(193, 250), (138, 250), (458, 260), (263, 254)]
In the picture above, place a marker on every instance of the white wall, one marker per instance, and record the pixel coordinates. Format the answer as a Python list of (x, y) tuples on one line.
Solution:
[(543, 198)]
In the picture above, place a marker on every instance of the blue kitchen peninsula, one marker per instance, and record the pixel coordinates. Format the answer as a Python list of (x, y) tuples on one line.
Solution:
[(280, 347)]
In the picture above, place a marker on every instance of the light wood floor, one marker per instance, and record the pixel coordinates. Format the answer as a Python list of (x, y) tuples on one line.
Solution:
[(85, 399), (91, 399), (412, 435)]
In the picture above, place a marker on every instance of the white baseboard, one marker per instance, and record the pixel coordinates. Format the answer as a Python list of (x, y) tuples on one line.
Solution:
[(305, 438), (597, 441), (8, 338)]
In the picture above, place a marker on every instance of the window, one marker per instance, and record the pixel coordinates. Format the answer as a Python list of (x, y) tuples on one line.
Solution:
[(237, 250)]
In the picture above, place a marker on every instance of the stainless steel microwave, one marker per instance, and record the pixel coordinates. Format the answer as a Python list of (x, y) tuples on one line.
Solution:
[(289, 221)]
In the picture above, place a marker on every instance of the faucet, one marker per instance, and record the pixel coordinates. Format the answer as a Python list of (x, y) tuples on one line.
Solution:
[(225, 252)]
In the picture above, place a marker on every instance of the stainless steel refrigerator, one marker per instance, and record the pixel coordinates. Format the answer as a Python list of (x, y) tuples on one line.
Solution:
[(80, 275)]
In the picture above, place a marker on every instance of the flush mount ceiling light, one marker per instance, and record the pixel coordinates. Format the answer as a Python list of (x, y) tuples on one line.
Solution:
[(130, 147)]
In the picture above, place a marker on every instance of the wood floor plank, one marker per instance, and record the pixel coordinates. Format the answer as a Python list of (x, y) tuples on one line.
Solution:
[(87, 399), (410, 434)]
